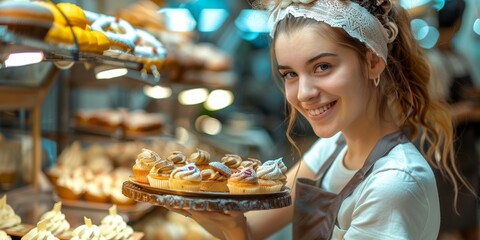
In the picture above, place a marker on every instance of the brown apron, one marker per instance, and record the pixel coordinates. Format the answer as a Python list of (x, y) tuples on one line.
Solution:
[(316, 210)]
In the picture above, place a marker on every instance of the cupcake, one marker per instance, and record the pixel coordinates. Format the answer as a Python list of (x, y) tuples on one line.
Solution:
[(8, 218), (4, 236), (160, 173), (87, 231), (269, 178), (144, 162), (113, 226), (55, 220), (281, 165), (243, 182), (232, 161), (116, 195), (39, 232), (250, 163), (200, 158), (187, 178), (178, 158), (215, 178)]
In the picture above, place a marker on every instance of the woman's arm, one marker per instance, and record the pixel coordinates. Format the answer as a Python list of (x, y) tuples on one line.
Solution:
[(266, 222)]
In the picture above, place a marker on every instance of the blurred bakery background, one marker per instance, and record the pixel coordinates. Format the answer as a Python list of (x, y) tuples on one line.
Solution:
[(198, 77)]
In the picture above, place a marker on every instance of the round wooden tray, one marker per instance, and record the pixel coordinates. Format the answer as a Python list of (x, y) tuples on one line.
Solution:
[(206, 201)]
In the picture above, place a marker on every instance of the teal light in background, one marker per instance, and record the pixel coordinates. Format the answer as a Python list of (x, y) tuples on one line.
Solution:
[(426, 35), (419, 28), (476, 26), (252, 21), (178, 19), (210, 20), (438, 4)]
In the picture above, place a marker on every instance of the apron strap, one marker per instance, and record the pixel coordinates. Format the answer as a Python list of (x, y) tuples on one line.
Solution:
[(381, 149), (327, 164)]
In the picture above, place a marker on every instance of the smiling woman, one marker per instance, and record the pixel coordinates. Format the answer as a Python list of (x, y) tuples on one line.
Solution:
[(354, 71)]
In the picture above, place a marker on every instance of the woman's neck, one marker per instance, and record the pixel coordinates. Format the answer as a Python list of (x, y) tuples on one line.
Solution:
[(362, 141)]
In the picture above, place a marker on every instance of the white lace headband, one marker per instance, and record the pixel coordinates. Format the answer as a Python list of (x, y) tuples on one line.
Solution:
[(350, 16)]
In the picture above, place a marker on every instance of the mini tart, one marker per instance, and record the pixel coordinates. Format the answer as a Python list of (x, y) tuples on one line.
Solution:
[(187, 178)]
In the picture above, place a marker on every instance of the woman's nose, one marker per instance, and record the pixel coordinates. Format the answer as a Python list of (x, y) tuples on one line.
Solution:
[(307, 89)]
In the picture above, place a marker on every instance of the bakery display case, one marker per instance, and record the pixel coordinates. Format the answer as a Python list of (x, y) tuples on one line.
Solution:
[(70, 62)]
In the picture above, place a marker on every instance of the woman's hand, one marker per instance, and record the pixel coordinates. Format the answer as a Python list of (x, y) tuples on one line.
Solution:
[(223, 225)]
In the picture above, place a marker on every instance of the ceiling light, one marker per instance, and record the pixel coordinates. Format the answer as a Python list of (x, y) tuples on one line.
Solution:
[(22, 59)]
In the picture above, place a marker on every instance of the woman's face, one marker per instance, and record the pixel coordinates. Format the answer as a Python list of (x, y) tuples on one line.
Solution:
[(324, 81)]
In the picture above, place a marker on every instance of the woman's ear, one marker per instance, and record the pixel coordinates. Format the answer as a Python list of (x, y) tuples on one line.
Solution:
[(376, 65)]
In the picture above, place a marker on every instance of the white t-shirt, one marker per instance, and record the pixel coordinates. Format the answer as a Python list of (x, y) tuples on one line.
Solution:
[(398, 200)]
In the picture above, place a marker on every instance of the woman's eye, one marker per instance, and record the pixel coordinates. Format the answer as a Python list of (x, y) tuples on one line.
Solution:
[(288, 75), (322, 67)]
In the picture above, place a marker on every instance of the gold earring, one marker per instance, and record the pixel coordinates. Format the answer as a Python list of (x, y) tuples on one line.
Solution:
[(376, 81)]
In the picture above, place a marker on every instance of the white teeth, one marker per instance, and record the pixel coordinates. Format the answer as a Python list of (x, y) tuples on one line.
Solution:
[(318, 111)]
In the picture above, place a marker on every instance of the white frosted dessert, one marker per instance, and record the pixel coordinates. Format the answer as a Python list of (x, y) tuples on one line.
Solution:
[(114, 227), (87, 231), (8, 218), (39, 233), (55, 219), (4, 236)]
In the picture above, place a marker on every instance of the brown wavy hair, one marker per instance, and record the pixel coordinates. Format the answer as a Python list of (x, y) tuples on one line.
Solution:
[(403, 85)]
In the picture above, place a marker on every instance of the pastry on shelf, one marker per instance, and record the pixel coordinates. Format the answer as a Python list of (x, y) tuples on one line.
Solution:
[(8, 218), (113, 226), (4, 235), (70, 185), (26, 18), (75, 15), (120, 33), (95, 190), (55, 220), (39, 232)]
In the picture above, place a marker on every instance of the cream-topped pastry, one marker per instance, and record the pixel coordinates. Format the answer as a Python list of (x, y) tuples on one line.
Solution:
[(250, 163), (269, 178), (8, 218), (56, 222), (39, 233), (243, 182), (114, 227), (4, 236), (215, 178), (232, 161), (87, 231), (144, 162), (178, 158), (187, 177), (70, 185), (160, 173), (279, 162), (201, 158)]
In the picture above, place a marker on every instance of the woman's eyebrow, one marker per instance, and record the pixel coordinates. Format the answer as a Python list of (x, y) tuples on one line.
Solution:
[(311, 60)]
